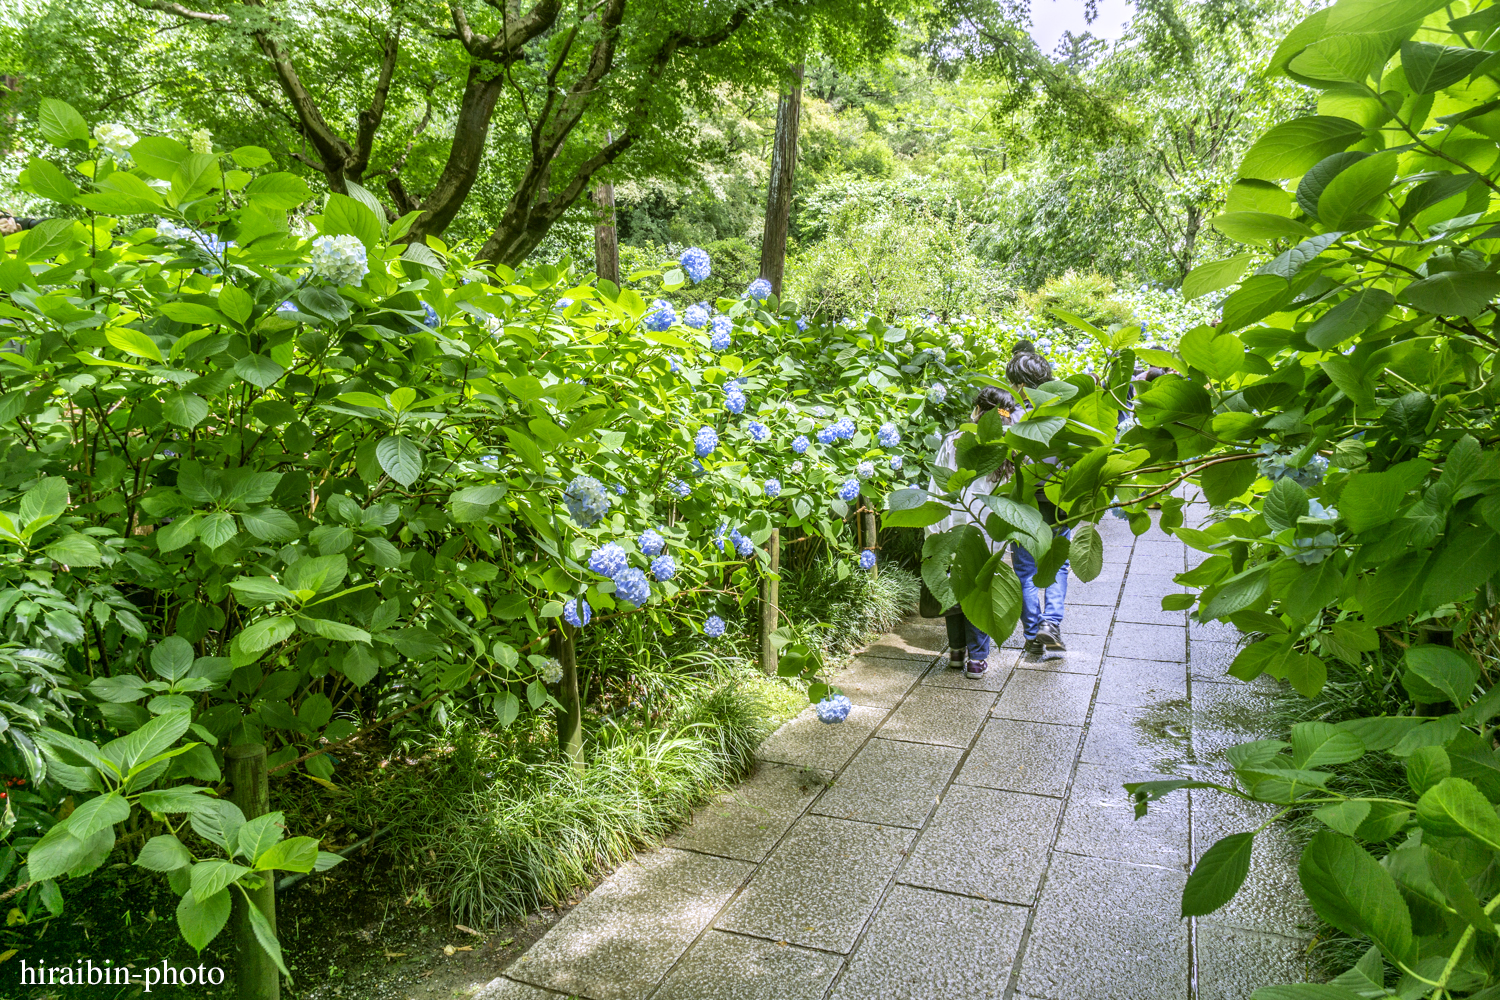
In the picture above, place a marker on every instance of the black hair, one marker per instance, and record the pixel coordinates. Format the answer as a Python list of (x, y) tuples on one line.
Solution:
[(1023, 347), (992, 397), (1028, 369)]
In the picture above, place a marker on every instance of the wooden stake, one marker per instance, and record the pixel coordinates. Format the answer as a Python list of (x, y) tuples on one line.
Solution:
[(770, 602), (256, 976)]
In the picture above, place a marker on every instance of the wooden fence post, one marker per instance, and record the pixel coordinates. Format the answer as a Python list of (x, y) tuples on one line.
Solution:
[(770, 602), (256, 976), (570, 716)]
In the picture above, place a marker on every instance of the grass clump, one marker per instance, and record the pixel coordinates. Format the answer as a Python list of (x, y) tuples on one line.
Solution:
[(839, 615)]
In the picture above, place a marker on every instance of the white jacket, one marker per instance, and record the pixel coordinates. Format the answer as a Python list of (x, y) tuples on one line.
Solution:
[(947, 458)]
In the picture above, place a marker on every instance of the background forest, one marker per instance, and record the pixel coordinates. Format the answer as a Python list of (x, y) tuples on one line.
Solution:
[(945, 164)]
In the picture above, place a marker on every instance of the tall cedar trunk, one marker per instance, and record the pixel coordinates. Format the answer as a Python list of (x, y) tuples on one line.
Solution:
[(606, 239), (779, 193)]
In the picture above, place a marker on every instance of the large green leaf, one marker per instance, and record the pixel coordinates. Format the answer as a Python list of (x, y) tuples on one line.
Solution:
[(1171, 398), (1444, 668), (1292, 148), (1217, 355), (1086, 552), (1467, 559), (1454, 808), (1350, 890), (1212, 277), (201, 921), (164, 853), (1353, 188), (1318, 744), (344, 214), (1431, 67), (1218, 875), (1258, 227), (1453, 293), (400, 457), (60, 124), (1361, 310)]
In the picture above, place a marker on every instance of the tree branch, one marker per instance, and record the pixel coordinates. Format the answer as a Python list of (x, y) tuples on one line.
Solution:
[(178, 10)]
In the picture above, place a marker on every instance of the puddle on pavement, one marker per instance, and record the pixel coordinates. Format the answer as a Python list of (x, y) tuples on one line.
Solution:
[(1166, 735)]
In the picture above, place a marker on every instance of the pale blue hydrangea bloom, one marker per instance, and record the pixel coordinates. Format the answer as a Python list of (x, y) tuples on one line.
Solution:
[(888, 435), (827, 435), (719, 535), (867, 559), (675, 363), (287, 307), (661, 316), (734, 400), (759, 290), (1313, 550), (552, 672), (696, 316), (937, 393), (586, 501), (742, 545), (713, 627), (773, 488), (651, 543), (820, 411), (695, 262), (619, 489), (705, 441), (796, 467), (800, 443), (663, 567), (339, 260), (720, 340), (843, 428), (1272, 465), (680, 488), (698, 469), (849, 490), (802, 324), (895, 463), (609, 560), (562, 303), (632, 586), (865, 470), (758, 432), (833, 709), (430, 319), (577, 612)]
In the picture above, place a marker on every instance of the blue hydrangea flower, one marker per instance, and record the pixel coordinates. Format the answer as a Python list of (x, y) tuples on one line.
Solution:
[(661, 316), (759, 290), (800, 443), (719, 535), (680, 488), (609, 560), (937, 393), (734, 401), (633, 586), (742, 545), (713, 627), (758, 432), (562, 303), (827, 435), (698, 469), (577, 612), (430, 320), (586, 501), (720, 339), (619, 489), (773, 488), (339, 260), (651, 543), (895, 463), (695, 262), (663, 567), (1309, 551), (801, 324), (287, 307), (867, 559), (696, 316), (1120, 512), (865, 470), (833, 709), (888, 435), (1273, 466), (849, 490), (705, 441), (844, 428), (675, 363), (820, 411)]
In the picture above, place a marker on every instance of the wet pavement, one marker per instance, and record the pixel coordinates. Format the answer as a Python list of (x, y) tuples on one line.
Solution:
[(962, 839)]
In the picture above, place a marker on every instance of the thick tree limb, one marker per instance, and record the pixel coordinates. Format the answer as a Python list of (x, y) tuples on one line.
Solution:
[(178, 10)]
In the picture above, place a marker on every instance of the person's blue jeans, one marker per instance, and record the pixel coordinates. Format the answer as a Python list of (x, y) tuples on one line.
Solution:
[(962, 633), (1038, 605)]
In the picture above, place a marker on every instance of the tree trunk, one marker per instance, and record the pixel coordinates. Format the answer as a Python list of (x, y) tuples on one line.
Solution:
[(769, 601), (606, 239), (570, 716), (470, 133), (779, 191), (256, 976)]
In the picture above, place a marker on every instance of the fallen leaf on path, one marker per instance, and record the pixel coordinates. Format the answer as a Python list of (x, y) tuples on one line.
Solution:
[(467, 930)]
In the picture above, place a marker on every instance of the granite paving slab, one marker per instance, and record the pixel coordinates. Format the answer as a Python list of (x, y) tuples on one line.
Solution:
[(1105, 930), (509, 989), (1031, 757), (620, 942), (877, 681), (1083, 656), (1156, 737), (1209, 661), (731, 967), (925, 945), (1233, 963), (1148, 611), (1001, 661), (1100, 820), (748, 821), (950, 716), (1148, 642), (986, 843), (1046, 696), (1271, 900), (807, 742), (890, 782), (1140, 682), (820, 885), (1087, 619)]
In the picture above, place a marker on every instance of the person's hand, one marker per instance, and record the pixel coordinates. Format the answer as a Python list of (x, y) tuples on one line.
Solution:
[(8, 225)]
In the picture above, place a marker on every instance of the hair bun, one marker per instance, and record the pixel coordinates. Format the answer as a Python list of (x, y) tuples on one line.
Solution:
[(1023, 347)]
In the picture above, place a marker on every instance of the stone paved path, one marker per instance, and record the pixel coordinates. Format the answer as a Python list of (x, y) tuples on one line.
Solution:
[(963, 840)]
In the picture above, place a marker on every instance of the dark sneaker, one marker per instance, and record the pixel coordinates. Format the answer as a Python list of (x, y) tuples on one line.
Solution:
[(1051, 642), (956, 659), (976, 669), (1033, 646)]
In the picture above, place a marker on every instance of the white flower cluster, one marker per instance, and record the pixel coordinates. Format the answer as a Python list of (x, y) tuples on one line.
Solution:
[(116, 139), (339, 260), (201, 140)]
